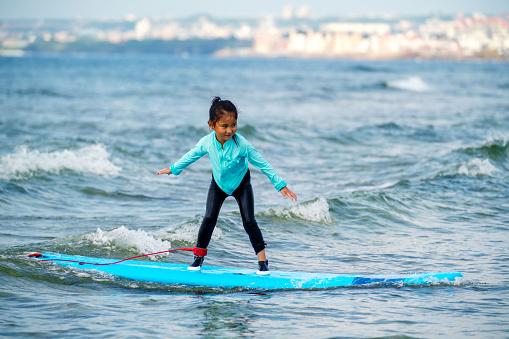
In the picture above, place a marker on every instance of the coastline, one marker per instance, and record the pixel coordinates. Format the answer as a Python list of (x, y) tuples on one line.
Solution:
[(249, 53)]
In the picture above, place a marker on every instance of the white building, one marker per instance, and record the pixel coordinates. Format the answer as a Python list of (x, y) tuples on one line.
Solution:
[(142, 29)]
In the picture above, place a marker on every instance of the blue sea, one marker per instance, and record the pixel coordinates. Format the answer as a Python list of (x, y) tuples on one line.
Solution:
[(399, 167)]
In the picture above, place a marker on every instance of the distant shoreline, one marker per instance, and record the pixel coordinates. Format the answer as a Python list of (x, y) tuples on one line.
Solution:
[(461, 37), (19, 53)]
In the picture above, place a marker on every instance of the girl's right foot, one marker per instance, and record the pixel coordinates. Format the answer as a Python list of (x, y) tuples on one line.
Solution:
[(263, 268), (196, 265)]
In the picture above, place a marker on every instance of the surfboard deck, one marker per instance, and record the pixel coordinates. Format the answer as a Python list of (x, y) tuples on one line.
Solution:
[(229, 277)]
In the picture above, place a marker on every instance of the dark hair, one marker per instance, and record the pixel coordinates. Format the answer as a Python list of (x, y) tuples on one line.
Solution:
[(220, 107)]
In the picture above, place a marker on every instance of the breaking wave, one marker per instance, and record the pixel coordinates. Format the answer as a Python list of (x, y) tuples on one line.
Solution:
[(488, 159), (412, 84), (124, 239), (23, 162), (187, 232), (315, 210), (478, 167)]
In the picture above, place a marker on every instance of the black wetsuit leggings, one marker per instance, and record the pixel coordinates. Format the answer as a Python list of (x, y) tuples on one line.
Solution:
[(244, 196)]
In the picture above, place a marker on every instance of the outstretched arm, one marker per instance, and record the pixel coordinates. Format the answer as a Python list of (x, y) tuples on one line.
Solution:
[(285, 191), (194, 154), (259, 162)]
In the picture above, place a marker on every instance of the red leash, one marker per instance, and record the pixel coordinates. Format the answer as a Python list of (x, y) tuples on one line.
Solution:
[(197, 251)]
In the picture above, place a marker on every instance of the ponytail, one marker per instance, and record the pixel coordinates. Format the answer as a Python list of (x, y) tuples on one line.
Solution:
[(219, 107)]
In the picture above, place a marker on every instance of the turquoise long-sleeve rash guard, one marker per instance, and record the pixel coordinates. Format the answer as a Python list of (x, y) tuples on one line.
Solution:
[(230, 162)]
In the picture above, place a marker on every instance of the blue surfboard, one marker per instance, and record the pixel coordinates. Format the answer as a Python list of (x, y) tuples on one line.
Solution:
[(227, 278)]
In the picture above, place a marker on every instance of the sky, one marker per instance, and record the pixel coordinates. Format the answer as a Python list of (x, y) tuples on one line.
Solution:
[(115, 9)]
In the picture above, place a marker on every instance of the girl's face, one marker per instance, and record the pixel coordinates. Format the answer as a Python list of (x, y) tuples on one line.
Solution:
[(225, 127)]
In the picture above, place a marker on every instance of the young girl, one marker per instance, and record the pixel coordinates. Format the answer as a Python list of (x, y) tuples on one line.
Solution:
[(229, 154)]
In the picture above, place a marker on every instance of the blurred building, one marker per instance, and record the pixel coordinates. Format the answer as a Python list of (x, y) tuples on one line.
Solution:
[(461, 37)]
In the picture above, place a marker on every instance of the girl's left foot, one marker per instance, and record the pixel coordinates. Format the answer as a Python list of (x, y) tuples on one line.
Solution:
[(263, 268), (196, 265)]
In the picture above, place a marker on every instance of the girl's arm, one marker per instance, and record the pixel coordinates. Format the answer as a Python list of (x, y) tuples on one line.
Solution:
[(196, 153), (259, 162)]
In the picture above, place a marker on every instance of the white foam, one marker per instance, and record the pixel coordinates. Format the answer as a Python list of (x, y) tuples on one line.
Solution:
[(187, 232), (89, 159), (123, 238), (316, 210), (478, 167), (500, 138), (413, 84)]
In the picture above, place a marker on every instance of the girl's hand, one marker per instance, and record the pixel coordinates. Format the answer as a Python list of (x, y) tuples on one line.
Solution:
[(164, 171), (285, 191)]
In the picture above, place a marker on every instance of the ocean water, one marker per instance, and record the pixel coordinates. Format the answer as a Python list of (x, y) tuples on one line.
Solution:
[(399, 167)]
